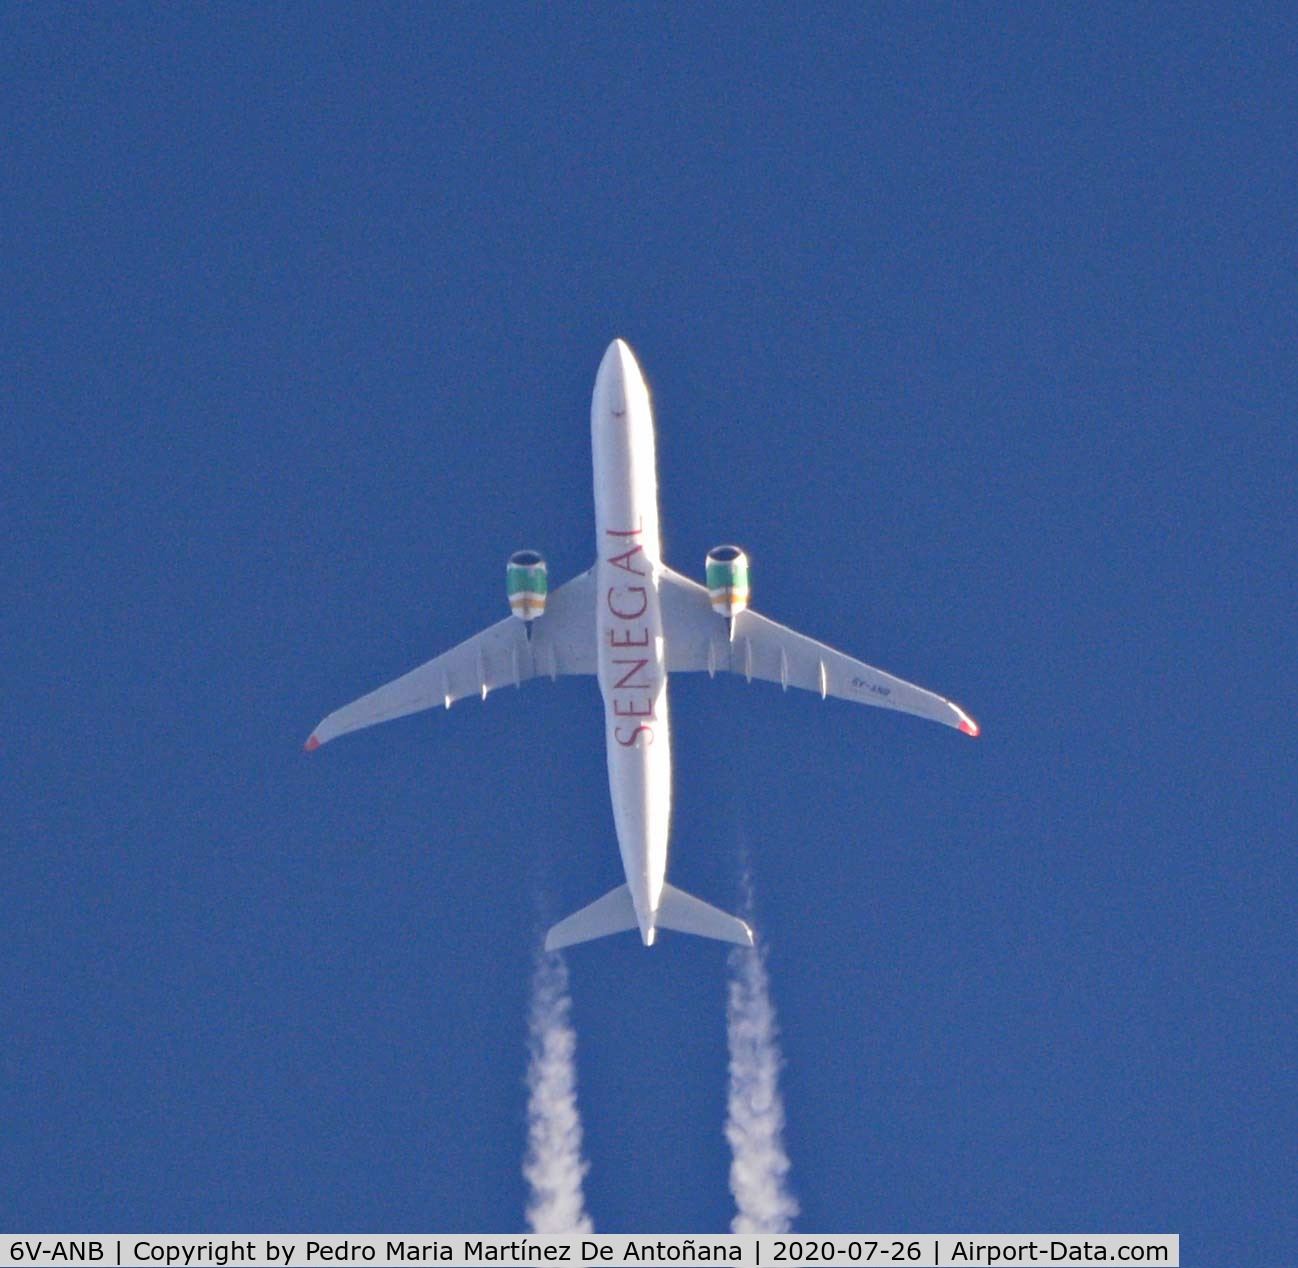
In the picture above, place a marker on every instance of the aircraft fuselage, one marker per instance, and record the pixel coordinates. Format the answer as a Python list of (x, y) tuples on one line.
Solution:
[(631, 659)]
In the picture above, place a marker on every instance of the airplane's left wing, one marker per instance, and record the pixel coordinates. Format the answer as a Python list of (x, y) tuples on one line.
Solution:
[(562, 642), (758, 647)]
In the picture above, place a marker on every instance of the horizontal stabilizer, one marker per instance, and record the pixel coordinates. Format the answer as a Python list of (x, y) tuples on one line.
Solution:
[(686, 914), (614, 913)]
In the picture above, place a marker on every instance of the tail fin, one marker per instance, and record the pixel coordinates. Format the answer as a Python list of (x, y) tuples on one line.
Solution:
[(687, 914), (614, 913)]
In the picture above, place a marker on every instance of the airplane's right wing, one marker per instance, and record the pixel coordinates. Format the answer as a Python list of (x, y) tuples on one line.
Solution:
[(758, 647), (562, 642)]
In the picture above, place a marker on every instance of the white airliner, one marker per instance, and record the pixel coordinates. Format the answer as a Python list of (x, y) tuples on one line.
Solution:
[(632, 621)]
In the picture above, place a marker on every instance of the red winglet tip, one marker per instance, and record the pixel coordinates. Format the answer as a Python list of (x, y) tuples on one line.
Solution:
[(312, 744), (969, 726)]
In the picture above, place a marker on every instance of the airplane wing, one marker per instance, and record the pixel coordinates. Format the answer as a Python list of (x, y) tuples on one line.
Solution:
[(760, 648), (563, 642)]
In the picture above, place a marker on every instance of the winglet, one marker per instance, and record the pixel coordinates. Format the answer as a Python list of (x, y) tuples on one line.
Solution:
[(312, 744), (967, 724)]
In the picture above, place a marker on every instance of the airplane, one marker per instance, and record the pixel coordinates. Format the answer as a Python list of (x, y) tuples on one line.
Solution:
[(632, 622)]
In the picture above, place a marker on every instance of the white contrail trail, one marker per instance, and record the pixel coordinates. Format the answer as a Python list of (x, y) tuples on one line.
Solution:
[(759, 1170), (554, 1167)]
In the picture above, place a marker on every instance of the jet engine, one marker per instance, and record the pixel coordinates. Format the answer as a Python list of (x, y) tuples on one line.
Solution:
[(526, 585), (727, 570)]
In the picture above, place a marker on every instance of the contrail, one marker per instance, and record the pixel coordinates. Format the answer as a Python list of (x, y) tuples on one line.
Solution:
[(759, 1170), (554, 1167)]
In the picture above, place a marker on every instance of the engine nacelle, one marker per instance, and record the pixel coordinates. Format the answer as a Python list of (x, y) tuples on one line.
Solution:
[(728, 580), (526, 584)]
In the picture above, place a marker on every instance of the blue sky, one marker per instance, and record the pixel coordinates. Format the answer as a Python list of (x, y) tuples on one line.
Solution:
[(973, 325)]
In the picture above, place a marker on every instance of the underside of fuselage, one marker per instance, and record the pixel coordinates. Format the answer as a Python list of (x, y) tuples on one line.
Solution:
[(632, 667), (632, 671)]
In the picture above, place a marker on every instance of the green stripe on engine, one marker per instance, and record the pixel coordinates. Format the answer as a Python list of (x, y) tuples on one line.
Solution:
[(729, 576), (520, 580)]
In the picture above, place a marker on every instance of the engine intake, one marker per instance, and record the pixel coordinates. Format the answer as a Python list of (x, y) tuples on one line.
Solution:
[(727, 571), (526, 584)]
